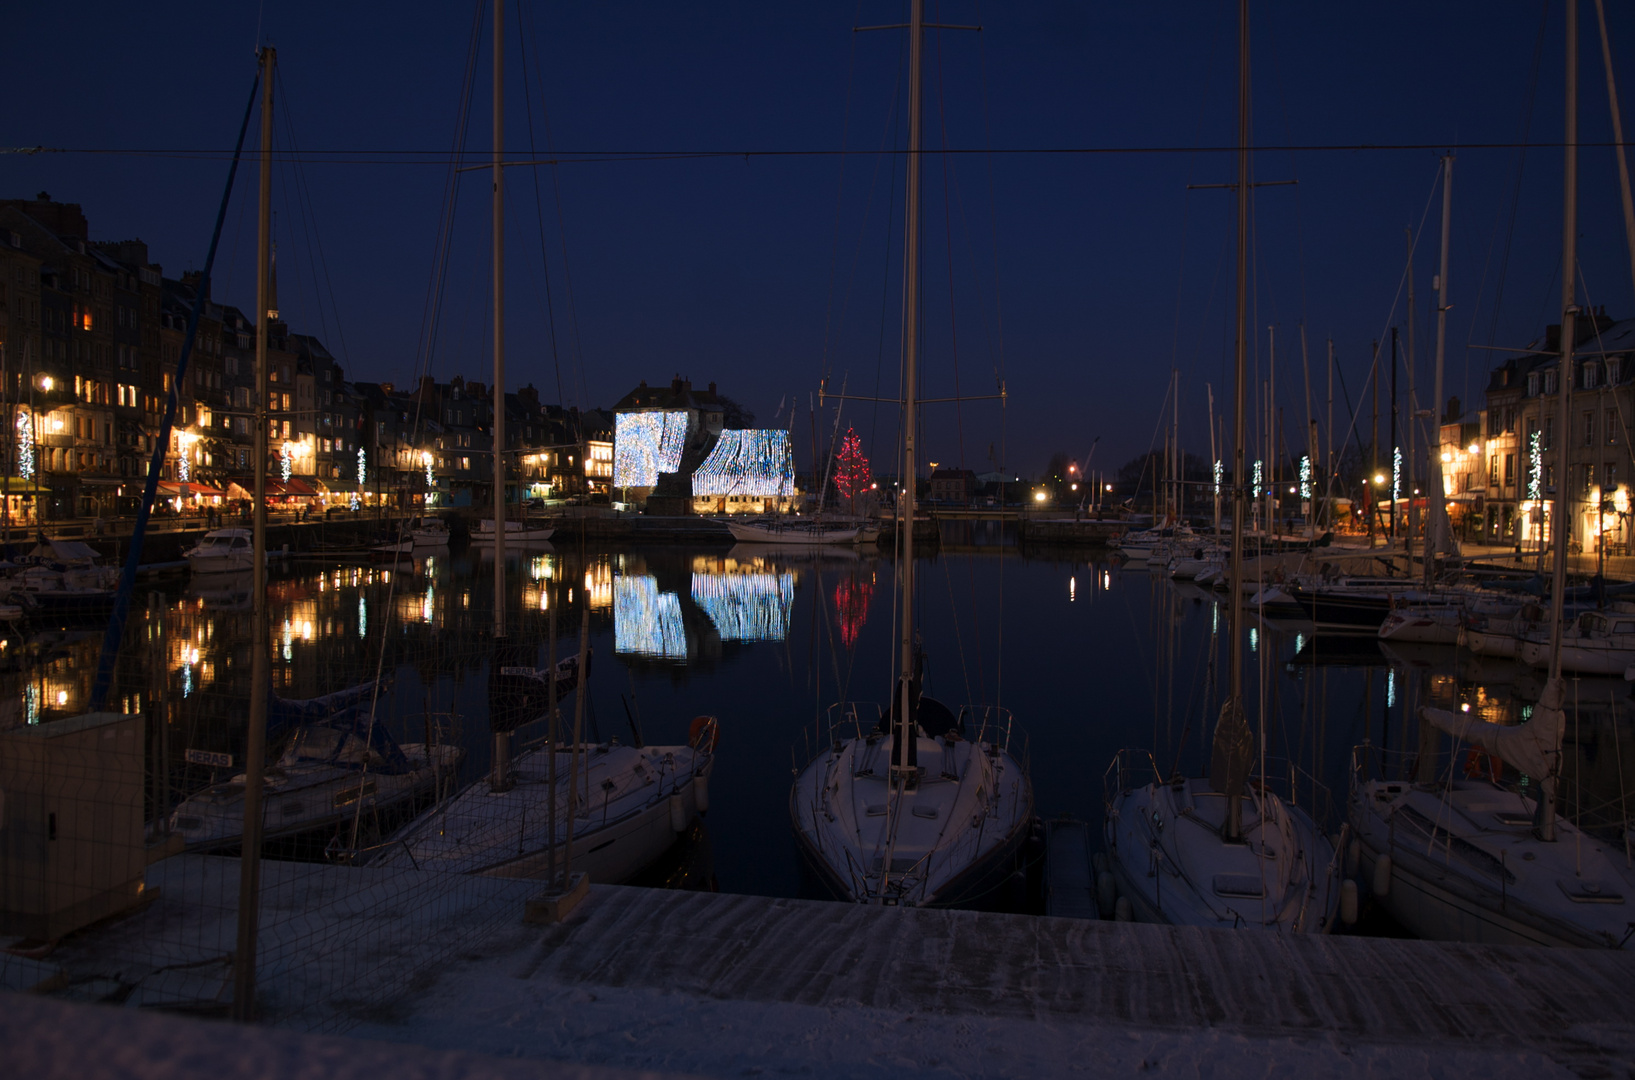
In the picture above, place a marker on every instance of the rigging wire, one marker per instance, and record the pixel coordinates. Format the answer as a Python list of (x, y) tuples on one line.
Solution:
[(1515, 205), (840, 195), (524, 32), (304, 196)]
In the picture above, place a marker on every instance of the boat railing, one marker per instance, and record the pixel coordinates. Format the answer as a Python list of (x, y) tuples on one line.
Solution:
[(844, 720), (997, 726), (1130, 768)]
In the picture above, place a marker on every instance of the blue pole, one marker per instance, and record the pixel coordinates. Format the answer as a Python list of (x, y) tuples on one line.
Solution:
[(133, 557)]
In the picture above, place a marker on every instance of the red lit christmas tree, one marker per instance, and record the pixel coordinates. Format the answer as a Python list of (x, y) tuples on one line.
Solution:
[(852, 474)]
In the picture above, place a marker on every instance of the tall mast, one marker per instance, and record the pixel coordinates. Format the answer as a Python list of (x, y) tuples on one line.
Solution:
[(1233, 746), (501, 778), (1413, 416), (1269, 475), (906, 743), (255, 749), (1437, 536), (1617, 135), (1561, 528)]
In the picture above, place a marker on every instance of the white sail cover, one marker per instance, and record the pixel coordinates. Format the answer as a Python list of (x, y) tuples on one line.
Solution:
[(1533, 746)]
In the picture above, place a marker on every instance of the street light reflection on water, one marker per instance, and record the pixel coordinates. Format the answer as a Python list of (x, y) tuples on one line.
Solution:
[(766, 640)]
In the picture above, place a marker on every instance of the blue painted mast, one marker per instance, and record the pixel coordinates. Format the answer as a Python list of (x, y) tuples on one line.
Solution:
[(133, 557)]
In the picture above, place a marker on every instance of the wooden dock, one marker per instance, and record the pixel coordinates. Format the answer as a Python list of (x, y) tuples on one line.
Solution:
[(738, 974)]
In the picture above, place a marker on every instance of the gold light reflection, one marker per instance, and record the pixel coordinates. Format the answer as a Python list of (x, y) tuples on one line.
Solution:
[(599, 584)]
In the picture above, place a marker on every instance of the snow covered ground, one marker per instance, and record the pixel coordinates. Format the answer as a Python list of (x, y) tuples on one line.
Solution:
[(496, 1014), (677, 983)]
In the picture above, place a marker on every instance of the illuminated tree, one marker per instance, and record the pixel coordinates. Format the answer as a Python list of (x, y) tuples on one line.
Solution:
[(852, 474)]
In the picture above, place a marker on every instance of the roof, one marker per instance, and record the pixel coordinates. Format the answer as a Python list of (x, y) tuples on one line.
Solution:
[(679, 394), (953, 474)]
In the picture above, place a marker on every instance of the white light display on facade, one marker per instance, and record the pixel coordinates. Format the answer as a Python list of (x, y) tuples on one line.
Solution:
[(425, 459), (1305, 476), (1535, 466), (1396, 474), (286, 461), (746, 607), (363, 465), (647, 622), (25, 446), (1257, 479), (646, 444), (759, 463), (1220, 472)]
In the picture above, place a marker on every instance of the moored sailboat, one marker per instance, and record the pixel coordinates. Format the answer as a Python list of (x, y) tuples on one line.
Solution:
[(1222, 851), (911, 805)]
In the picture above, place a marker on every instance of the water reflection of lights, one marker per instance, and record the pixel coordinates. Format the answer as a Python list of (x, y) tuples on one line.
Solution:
[(541, 568), (852, 606), (1106, 580), (1390, 687), (363, 617), (31, 704), (1072, 589), (746, 607), (427, 606), (646, 622), (1254, 640), (599, 584)]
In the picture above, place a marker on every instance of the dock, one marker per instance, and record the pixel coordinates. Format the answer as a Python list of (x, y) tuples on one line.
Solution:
[(685, 982)]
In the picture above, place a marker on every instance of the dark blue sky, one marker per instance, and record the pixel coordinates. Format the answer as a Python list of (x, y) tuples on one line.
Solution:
[(763, 273)]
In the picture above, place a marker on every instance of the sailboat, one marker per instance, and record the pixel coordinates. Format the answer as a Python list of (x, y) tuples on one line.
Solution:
[(1222, 851), (617, 807), (912, 805), (1469, 859)]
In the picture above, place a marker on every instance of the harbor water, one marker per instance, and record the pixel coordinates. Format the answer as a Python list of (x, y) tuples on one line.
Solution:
[(1089, 656)]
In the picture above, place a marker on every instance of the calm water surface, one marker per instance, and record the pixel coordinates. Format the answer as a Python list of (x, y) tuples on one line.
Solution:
[(1091, 658)]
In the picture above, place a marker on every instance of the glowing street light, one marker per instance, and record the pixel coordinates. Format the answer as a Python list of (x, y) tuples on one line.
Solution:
[(1038, 496)]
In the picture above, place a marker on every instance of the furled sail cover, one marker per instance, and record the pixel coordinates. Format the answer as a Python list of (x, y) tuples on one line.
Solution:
[(646, 444), (1533, 746), (758, 463)]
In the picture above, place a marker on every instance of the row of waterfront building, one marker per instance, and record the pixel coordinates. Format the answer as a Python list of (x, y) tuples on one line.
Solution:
[(90, 336), (1502, 463)]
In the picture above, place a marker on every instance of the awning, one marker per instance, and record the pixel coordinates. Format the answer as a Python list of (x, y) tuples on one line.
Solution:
[(16, 485), (293, 487), (192, 490)]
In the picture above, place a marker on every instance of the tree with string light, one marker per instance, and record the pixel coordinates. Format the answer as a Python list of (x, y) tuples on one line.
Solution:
[(852, 474)]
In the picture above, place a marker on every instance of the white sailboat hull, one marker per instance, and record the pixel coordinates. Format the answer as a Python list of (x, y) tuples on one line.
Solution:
[(1168, 859), (1465, 866), (746, 532), (938, 844), (515, 533), (634, 804)]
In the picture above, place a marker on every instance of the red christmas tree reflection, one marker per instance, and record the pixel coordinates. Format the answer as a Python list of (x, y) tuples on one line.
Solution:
[(852, 605)]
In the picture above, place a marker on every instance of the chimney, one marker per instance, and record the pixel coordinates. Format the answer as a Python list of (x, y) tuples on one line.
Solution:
[(1552, 338), (712, 388), (1454, 411), (676, 384)]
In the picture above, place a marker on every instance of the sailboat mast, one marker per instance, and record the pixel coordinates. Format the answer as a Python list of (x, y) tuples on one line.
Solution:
[(255, 746), (1240, 357), (906, 742), (1617, 134), (1438, 531), (1561, 528), (499, 319)]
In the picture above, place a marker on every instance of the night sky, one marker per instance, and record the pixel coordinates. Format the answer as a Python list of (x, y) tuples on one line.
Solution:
[(1082, 277)]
